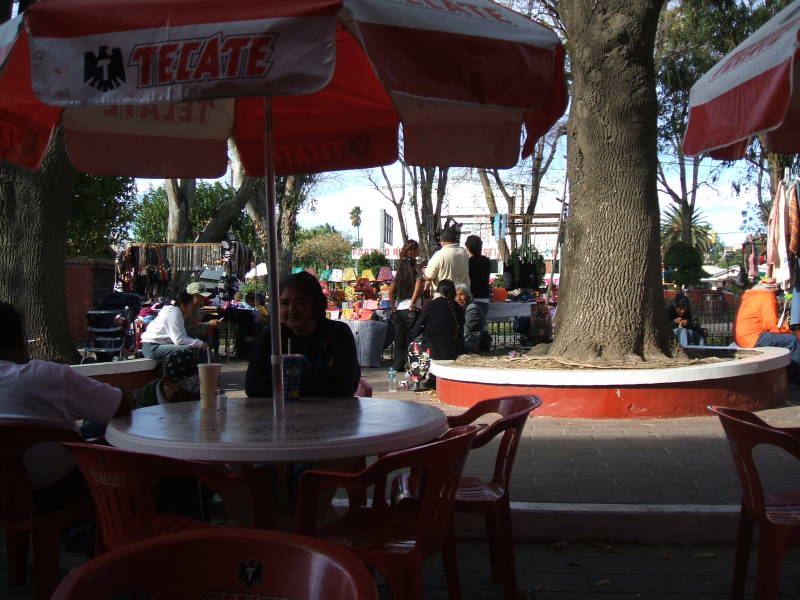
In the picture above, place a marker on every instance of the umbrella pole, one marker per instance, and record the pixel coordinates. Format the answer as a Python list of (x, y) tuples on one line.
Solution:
[(272, 264)]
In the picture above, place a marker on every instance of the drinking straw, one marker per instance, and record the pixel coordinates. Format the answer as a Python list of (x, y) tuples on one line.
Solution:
[(208, 355)]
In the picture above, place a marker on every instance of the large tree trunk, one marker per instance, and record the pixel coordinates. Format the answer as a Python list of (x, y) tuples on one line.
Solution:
[(611, 301), (180, 196), (34, 206)]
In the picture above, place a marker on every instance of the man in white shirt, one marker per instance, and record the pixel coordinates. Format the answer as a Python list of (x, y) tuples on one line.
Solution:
[(167, 332), (450, 262), (46, 392)]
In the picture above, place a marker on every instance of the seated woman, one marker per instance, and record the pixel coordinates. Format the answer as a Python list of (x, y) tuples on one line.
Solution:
[(687, 329), (331, 366), (475, 338), (441, 325)]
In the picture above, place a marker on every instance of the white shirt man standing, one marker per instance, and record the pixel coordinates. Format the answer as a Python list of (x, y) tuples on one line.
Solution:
[(450, 262)]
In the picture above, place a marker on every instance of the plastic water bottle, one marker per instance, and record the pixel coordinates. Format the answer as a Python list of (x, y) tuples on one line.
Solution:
[(392, 380), (222, 400)]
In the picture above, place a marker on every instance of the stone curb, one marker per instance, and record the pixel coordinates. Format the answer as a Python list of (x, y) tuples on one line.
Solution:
[(618, 523)]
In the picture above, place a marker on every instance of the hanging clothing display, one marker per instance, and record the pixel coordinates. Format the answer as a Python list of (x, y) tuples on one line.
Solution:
[(193, 257), (145, 269), (778, 239)]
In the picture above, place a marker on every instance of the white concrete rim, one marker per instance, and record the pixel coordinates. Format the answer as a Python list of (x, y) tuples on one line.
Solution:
[(764, 359), (115, 367)]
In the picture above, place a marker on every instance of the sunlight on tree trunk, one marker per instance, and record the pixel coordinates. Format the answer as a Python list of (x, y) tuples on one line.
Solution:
[(611, 305)]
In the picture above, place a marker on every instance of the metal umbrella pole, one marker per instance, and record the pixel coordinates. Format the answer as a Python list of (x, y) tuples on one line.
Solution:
[(272, 264)]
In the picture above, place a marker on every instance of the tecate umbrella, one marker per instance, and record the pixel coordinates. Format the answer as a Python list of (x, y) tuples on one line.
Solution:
[(154, 88), (752, 91)]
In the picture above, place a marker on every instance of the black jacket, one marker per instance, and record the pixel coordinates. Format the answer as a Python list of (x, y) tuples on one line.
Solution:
[(442, 328), (331, 367)]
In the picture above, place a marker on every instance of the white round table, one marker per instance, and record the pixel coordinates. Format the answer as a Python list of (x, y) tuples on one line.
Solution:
[(312, 430)]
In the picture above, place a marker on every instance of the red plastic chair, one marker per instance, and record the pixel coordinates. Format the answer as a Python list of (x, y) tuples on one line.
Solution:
[(391, 540), (122, 485), (364, 389), (778, 516), (223, 563), (17, 515), (490, 498)]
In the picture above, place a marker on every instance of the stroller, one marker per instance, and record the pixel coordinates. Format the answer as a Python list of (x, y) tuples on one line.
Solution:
[(111, 335)]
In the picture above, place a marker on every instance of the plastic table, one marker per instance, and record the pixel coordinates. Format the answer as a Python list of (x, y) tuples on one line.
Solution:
[(312, 430)]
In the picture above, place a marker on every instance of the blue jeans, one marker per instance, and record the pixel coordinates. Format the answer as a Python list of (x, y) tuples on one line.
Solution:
[(781, 340), (689, 337), (794, 317), (159, 351)]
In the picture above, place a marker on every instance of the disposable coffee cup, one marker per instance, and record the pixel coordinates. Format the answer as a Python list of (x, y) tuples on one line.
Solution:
[(292, 376), (209, 383)]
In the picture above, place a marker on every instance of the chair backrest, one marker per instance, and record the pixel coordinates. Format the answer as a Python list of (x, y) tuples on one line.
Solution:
[(364, 389), (223, 563), (438, 466), (513, 411), (16, 437), (745, 431)]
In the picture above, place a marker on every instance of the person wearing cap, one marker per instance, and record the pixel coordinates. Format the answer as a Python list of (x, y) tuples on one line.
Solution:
[(179, 382), (756, 322), (195, 327), (167, 332), (450, 262)]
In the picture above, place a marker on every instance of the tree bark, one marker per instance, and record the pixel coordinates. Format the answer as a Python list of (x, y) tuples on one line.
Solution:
[(225, 214), (491, 203), (180, 194), (34, 206), (611, 305)]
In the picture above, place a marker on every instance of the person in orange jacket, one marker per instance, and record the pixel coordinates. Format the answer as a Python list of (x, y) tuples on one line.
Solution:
[(757, 321)]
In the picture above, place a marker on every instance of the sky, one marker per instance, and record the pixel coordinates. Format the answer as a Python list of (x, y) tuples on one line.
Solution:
[(340, 192), (336, 198)]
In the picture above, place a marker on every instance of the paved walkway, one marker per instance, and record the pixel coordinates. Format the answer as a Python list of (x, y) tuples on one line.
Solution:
[(680, 461), (656, 480)]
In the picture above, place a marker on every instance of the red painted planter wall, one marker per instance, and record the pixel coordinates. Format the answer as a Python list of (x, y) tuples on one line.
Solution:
[(751, 392)]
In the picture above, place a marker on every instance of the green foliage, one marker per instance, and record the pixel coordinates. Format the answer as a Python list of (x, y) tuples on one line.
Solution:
[(152, 213), (683, 265), (327, 250), (754, 219), (257, 284), (306, 234), (100, 214), (701, 235), (372, 260)]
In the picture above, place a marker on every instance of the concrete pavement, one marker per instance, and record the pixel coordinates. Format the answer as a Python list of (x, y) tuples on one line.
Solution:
[(620, 509)]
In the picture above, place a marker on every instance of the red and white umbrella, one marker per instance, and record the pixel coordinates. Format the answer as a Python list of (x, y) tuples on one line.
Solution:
[(752, 91), (154, 88)]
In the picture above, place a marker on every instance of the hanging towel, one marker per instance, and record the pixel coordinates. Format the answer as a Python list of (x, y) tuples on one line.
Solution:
[(778, 239)]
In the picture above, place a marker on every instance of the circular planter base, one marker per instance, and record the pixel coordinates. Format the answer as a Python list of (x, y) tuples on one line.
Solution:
[(754, 381)]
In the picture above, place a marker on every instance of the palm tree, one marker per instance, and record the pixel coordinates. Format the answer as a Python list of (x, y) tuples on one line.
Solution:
[(672, 226), (355, 220)]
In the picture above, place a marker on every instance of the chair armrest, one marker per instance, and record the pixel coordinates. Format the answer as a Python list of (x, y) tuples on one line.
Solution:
[(311, 484)]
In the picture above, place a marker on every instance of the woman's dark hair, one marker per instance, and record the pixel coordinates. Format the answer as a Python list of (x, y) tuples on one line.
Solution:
[(409, 249), (307, 285), (681, 298), (447, 289), (12, 328), (474, 244), (406, 276), (183, 298)]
